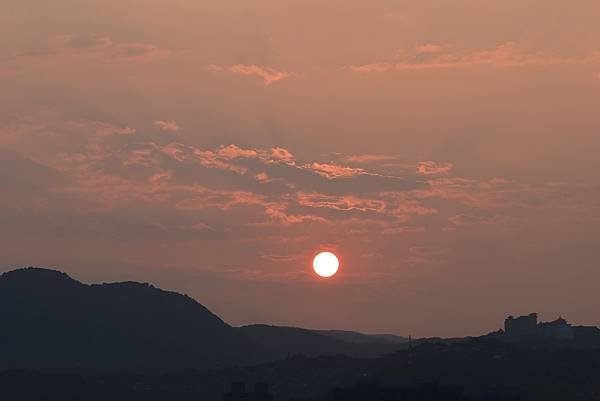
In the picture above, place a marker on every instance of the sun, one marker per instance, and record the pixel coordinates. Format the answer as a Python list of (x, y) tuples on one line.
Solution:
[(326, 264)]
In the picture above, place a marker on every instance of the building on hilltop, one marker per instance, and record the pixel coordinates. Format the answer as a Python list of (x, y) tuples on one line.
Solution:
[(522, 326), (559, 329), (528, 327)]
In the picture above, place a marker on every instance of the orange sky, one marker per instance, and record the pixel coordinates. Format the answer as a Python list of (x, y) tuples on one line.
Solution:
[(447, 151)]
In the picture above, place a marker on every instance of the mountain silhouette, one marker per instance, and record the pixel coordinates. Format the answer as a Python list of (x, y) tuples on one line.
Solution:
[(64, 340), (295, 340), (53, 323), (361, 338)]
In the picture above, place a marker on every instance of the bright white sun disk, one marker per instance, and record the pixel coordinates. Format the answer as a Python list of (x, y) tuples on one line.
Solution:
[(326, 264)]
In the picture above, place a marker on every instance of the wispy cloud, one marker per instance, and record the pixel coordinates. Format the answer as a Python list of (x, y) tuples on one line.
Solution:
[(403, 230), (184, 191), (433, 168), (368, 158), (428, 48), (506, 55), (344, 203), (282, 258), (332, 171), (63, 50), (167, 126), (268, 75)]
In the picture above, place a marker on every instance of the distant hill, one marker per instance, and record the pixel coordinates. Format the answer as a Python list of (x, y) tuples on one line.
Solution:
[(54, 323), (294, 340), (361, 338)]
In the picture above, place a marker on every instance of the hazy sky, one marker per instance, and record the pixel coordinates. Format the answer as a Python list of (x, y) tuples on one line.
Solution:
[(447, 151)]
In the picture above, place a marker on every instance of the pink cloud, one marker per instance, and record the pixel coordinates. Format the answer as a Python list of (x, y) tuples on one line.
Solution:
[(469, 219), (373, 67), (277, 212), (219, 159), (332, 171), (226, 157), (262, 177), (428, 48), (433, 168), (343, 203), (281, 258), (490, 194), (282, 155), (210, 159), (168, 126), (403, 230), (402, 204), (203, 198), (368, 158), (177, 151), (102, 47), (268, 75), (234, 152), (504, 55), (110, 167), (58, 51)]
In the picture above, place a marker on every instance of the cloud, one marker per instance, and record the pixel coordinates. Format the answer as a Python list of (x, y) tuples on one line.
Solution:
[(506, 55), (278, 213), (372, 67), (470, 219), (113, 165), (230, 152), (433, 168), (428, 48), (495, 193), (167, 126), (23, 180), (343, 203), (103, 47), (403, 230), (206, 198), (154, 188), (282, 258), (63, 50), (332, 171), (262, 177), (278, 170), (268, 75), (406, 203), (282, 155), (368, 158)]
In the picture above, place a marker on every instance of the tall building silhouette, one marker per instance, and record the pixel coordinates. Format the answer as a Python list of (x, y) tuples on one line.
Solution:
[(528, 327), (522, 326)]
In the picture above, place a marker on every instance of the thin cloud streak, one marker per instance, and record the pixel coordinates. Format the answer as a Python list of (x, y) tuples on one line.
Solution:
[(268, 75), (507, 55)]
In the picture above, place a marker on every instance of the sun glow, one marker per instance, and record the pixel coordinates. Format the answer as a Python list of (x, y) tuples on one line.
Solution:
[(326, 264)]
